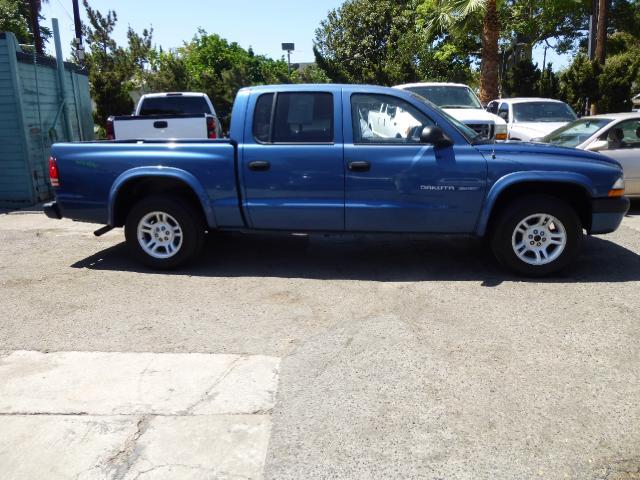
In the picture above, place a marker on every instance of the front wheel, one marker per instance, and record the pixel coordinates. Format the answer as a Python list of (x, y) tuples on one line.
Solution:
[(164, 232), (537, 235)]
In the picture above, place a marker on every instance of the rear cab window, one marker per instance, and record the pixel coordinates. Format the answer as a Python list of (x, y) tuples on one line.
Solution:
[(294, 117), (174, 105)]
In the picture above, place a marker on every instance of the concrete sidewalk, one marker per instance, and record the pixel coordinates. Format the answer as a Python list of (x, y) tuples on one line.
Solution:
[(135, 415)]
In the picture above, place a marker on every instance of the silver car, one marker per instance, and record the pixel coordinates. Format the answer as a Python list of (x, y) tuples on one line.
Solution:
[(616, 135)]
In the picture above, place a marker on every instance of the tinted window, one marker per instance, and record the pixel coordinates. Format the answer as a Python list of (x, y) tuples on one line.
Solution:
[(543, 112), (493, 108), (386, 119), (303, 118), (262, 117), (448, 96), (174, 105)]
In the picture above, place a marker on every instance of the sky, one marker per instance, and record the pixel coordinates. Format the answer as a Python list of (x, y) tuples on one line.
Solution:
[(261, 24)]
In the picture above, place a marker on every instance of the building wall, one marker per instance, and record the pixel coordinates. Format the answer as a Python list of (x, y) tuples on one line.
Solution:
[(33, 117)]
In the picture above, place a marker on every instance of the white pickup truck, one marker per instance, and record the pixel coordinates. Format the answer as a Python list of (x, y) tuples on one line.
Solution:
[(461, 103), (184, 115)]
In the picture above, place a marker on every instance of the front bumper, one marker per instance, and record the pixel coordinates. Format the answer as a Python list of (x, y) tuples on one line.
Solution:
[(607, 214), (52, 210)]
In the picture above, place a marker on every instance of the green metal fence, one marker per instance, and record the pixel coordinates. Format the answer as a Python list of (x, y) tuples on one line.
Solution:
[(33, 115)]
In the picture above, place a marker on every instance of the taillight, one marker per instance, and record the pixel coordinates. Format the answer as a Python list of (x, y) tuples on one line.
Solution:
[(54, 175), (211, 128), (111, 134)]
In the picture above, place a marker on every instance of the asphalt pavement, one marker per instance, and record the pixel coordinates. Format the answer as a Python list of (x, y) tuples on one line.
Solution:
[(390, 357)]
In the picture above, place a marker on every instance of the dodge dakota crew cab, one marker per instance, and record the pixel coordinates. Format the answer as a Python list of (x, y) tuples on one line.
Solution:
[(303, 159)]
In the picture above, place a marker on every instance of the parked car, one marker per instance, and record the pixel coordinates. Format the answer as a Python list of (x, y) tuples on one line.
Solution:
[(461, 103), (616, 135), (167, 115), (300, 159), (529, 118)]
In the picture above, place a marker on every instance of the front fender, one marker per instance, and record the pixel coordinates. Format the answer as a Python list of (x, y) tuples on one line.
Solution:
[(161, 172), (527, 177)]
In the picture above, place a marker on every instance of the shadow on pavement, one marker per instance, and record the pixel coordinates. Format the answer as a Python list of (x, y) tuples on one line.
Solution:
[(372, 258)]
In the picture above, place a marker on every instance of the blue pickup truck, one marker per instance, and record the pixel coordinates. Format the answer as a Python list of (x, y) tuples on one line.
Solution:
[(340, 158)]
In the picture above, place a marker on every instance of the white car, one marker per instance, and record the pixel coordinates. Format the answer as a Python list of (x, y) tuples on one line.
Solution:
[(461, 103), (616, 135), (529, 118)]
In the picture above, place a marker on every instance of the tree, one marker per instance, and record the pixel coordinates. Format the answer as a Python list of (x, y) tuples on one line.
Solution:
[(113, 70), (35, 9), (367, 41), (522, 80), (22, 18), (383, 42), (12, 19), (580, 82), (456, 16)]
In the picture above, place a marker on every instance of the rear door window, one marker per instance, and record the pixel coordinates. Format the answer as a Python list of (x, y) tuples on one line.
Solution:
[(298, 118), (303, 118)]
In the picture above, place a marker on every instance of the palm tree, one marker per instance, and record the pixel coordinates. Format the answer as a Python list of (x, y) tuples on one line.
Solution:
[(35, 7), (453, 14)]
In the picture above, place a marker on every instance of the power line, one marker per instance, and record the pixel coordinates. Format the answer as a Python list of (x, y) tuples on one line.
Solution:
[(65, 10)]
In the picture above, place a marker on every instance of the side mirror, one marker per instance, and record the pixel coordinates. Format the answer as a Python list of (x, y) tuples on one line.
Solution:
[(598, 145), (435, 136)]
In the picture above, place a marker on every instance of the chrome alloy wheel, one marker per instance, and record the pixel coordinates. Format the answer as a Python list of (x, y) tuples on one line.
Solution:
[(539, 239), (159, 235)]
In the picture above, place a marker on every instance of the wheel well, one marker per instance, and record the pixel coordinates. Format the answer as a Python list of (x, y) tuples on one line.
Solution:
[(573, 194), (134, 190)]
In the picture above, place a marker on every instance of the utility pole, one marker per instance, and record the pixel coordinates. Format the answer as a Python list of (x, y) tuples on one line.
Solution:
[(78, 25), (601, 43)]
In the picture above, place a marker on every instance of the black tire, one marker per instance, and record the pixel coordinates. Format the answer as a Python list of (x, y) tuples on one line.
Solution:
[(511, 217), (184, 214)]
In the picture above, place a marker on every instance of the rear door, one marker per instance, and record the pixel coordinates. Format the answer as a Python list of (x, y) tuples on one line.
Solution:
[(292, 167)]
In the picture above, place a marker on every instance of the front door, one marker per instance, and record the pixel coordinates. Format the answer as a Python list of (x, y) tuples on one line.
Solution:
[(292, 167), (394, 183)]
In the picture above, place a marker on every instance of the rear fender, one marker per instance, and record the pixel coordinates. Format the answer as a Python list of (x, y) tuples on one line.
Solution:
[(527, 177), (161, 172)]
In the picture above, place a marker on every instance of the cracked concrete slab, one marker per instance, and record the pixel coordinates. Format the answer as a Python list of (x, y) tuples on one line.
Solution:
[(135, 383), (115, 416), (202, 447), (87, 447)]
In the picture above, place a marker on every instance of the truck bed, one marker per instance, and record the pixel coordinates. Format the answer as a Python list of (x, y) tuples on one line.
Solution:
[(93, 173)]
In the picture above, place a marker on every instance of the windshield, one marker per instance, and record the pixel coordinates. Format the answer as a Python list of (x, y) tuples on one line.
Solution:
[(465, 131), (575, 133), (174, 105), (542, 112), (448, 96)]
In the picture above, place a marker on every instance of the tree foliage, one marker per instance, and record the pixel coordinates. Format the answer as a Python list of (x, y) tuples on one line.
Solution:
[(380, 41), (17, 16)]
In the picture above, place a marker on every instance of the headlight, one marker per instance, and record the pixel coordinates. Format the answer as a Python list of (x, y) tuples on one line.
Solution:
[(617, 189), (501, 132)]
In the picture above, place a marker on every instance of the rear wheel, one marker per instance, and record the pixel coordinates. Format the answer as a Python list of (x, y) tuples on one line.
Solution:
[(537, 235), (164, 232)]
